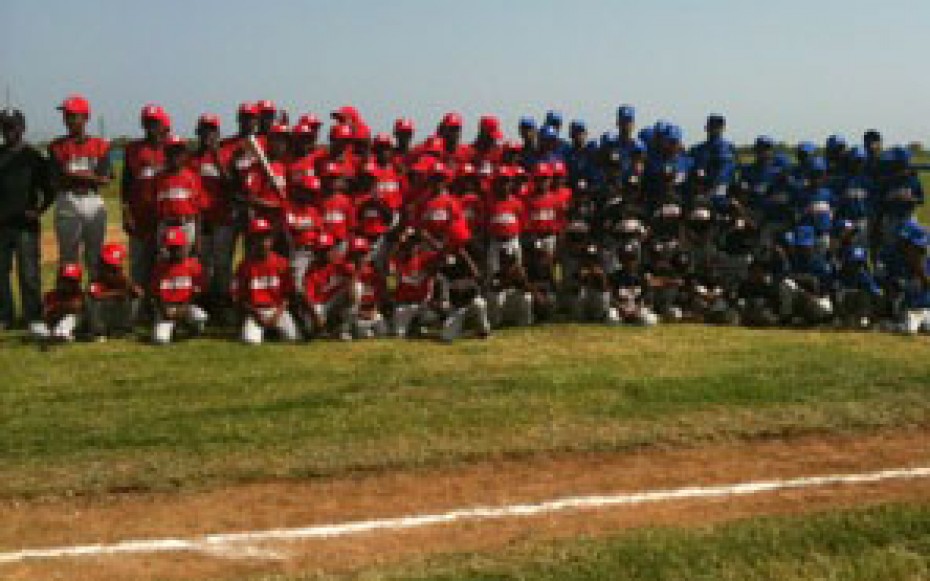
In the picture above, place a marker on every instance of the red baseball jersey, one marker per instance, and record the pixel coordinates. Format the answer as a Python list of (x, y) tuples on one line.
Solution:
[(438, 213), (264, 283), (216, 201), (544, 213), (303, 222), (338, 214), (415, 277), (177, 283), (323, 282), (373, 289), (178, 195), (506, 217), (259, 186), (143, 161)]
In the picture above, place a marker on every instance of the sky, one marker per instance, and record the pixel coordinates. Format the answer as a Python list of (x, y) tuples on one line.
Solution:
[(793, 69)]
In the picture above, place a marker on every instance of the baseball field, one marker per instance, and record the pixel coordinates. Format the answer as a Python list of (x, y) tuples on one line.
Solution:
[(680, 452)]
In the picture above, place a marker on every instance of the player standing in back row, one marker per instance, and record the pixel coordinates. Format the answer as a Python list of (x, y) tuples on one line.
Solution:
[(80, 166)]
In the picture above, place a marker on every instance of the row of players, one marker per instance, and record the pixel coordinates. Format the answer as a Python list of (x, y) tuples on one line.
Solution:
[(437, 284)]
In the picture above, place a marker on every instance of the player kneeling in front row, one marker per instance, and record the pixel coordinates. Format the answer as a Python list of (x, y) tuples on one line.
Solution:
[(630, 290), (330, 300), (63, 307), (177, 280), (909, 279), (510, 299), (592, 301), (414, 263), (368, 292), (461, 300), (261, 288), (114, 300)]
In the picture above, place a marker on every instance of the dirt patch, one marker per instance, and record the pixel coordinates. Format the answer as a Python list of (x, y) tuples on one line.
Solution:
[(295, 504)]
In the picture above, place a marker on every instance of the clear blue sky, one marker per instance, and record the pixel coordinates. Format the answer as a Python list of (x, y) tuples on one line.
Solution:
[(795, 69)]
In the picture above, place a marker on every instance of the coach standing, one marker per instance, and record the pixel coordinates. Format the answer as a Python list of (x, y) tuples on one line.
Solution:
[(80, 165), (25, 193)]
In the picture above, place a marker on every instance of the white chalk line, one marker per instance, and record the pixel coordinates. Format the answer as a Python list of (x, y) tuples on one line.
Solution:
[(241, 544)]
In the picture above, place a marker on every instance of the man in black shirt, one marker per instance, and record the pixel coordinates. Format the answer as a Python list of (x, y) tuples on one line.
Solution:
[(25, 194)]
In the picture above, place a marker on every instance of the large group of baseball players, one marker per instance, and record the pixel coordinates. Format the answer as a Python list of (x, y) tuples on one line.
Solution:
[(374, 235)]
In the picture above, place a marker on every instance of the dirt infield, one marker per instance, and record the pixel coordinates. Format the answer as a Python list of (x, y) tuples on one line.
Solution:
[(294, 504)]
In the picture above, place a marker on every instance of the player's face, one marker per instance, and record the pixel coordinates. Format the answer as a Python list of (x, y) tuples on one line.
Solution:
[(153, 129), (209, 136), (75, 123), (248, 124), (277, 146), (12, 133)]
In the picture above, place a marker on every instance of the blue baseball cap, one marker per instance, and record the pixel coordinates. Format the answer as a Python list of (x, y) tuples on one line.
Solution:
[(912, 232), (807, 147), (577, 125), (857, 254), (804, 236), (716, 119), (553, 118), (626, 113), (836, 142), (673, 133), (548, 132), (900, 154), (609, 138), (818, 164), (527, 122), (857, 153), (764, 142), (638, 146), (646, 134)]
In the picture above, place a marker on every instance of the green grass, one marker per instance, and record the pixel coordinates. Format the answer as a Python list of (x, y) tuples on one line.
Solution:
[(887, 543), (123, 415)]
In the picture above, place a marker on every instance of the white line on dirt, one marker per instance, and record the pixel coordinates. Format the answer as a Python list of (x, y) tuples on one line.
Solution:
[(240, 544)]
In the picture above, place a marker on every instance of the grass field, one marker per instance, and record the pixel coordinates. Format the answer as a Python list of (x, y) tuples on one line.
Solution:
[(890, 543), (126, 415)]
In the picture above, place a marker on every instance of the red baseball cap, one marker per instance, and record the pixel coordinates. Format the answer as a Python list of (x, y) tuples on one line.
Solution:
[(325, 241), (175, 140), (340, 131), (71, 270), (543, 170), (383, 140), (403, 125), (265, 106), (459, 234), (113, 254), (279, 129), (308, 182), (422, 165), (359, 245), (451, 120), (248, 108), (259, 226), (440, 170), (209, 119), (505, 172), (174, 237), (309, 119), (303, 129), (513, 146), (434, 144), (346, 114), (490, 125), (75, 104), (332, 169), (467, 170), (156, 113)]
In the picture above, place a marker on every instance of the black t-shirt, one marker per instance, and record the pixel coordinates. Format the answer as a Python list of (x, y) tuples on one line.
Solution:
[(24, 186), (458, 275)]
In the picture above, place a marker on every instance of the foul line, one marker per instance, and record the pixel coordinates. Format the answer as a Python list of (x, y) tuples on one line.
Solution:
[(239, 545)]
